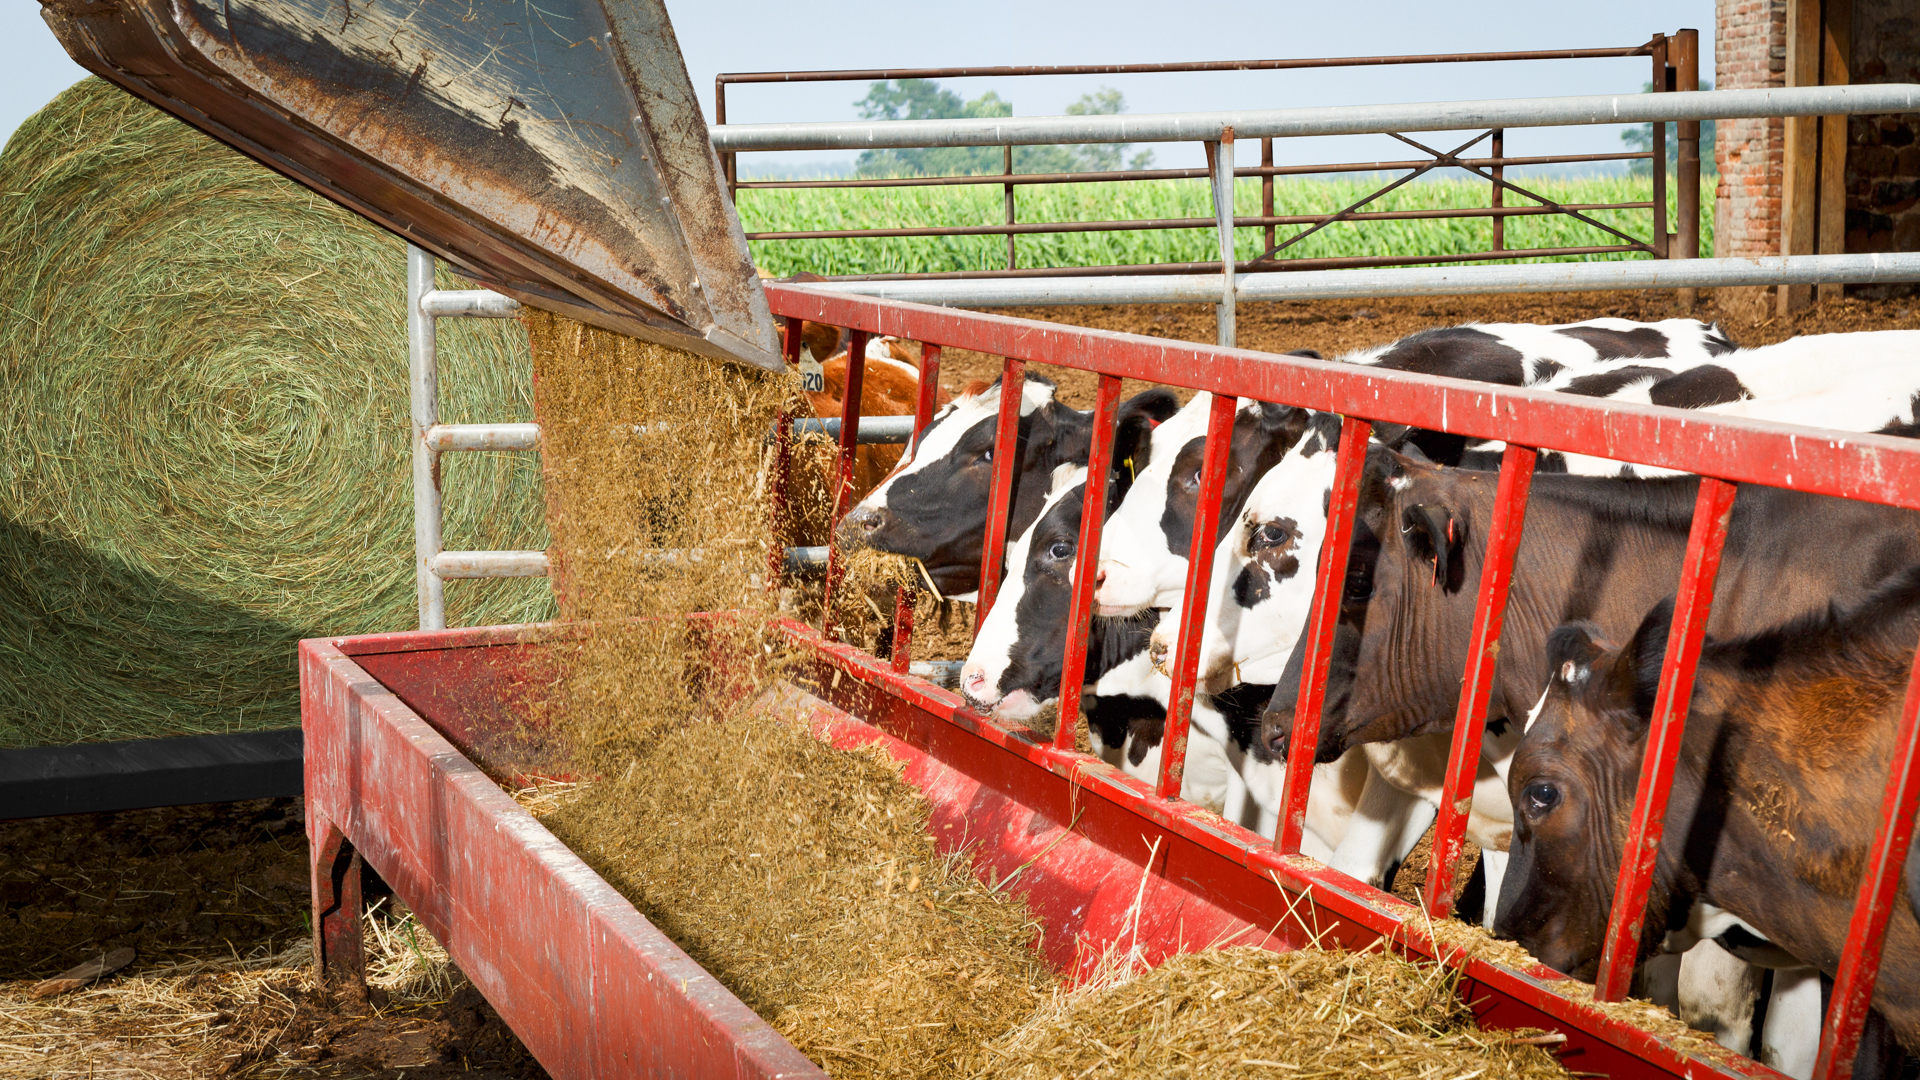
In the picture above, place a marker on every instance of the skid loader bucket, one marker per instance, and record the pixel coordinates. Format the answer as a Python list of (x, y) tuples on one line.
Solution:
[(554, 152)]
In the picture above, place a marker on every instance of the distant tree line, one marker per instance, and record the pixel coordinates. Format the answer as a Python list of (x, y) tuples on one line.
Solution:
[(924, 99)]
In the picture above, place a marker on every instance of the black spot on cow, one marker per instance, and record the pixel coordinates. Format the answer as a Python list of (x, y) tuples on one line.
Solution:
[(1271, 545), (1458, 351), (1323, 432), (1608, 383), (1640, 343), (1698, 387), (1716, 341), (1240, 705), (1116, 719), (1544, 369)]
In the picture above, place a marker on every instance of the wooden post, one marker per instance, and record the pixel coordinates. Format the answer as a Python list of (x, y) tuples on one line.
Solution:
[(1836, 54), (1799, 169), (1685, 56)]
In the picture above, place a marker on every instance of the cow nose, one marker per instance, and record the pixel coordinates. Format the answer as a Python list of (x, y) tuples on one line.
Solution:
[(973, 682), (864, 518), (1276, 731), (1157, 653)]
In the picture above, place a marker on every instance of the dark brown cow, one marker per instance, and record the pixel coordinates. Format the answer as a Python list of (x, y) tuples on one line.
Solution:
[(1594, 548), (1775, 799)]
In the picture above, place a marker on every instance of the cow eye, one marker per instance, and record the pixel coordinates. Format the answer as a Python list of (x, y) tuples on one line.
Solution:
[(987, 454), (1539, 797), (1268, 536), (1061, 550)]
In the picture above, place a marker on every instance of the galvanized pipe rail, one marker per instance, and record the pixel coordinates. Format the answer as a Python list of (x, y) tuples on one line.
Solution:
[(1725, 451), (1675, 61), (433, 566)]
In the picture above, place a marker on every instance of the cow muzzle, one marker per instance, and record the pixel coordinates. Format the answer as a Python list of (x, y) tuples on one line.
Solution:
[(858, 526)]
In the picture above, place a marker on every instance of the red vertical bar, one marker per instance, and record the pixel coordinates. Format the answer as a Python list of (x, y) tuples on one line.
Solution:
[(1879, 888), (1327, 591), (1469, 721), (777, 532), (1006, 436), (1086, 559), (1193, 602), (843, 487), (929, 393), (1692, 606)]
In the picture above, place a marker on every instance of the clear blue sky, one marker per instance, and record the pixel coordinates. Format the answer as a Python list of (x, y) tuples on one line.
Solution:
[(757, 35)]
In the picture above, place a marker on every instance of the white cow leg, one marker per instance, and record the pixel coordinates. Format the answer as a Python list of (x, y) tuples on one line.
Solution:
[(1385, 826), (1790, 1039), (1718, 992), (1493, 867)]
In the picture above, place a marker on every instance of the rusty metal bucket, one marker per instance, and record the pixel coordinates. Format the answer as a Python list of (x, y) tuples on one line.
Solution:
[(556, 154)]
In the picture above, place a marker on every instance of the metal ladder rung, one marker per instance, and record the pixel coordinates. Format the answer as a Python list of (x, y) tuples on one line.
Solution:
[(488, 564), (442, 438)]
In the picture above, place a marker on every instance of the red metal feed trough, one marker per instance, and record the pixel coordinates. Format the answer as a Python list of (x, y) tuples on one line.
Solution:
[(399, 728)]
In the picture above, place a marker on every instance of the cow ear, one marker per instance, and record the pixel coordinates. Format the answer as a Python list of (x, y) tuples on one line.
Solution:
[(1635, 678), (1153, 405), (1313, 354), (1436, 535), (1572, 652)]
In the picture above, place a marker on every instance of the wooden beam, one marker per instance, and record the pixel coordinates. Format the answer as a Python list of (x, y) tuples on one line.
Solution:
[(1835, 56), (1799, 174)]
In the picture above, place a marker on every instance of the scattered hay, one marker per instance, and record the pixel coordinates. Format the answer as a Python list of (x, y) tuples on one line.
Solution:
[(1249, 1012), (804, 878), (204, 436), (262, 1016)]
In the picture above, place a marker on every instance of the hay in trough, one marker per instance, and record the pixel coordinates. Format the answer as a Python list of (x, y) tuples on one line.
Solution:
[(204, 432), (1249, 1012), (804, 878)]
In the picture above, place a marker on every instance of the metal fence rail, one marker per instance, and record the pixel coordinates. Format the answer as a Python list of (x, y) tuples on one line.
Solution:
[(1675, 63), (1724, 451)]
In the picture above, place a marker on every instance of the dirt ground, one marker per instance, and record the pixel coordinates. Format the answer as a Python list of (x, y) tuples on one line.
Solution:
[(1335, 327), (213, 900)]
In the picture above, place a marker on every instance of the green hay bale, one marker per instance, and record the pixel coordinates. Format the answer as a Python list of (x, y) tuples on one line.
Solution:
[(204, 432)]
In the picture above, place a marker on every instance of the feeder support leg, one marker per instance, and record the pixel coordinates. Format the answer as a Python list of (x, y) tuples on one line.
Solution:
[(339, 950)]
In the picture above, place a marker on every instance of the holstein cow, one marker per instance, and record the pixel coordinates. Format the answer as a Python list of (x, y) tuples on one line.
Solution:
[(1775, 799), (1014, 671), (935, 507)]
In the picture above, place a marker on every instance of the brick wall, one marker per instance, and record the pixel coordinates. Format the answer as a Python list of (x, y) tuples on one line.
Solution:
[(1749, 52), (1883, 153)]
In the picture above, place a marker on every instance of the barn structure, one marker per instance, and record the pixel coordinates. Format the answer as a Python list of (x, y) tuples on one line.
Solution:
[(1815, 185)]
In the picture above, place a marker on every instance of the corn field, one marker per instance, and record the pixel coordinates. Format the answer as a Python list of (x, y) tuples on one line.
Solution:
[(782, 210)]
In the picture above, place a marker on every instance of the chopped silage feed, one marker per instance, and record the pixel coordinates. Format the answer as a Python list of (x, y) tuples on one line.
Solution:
[(803, 876)]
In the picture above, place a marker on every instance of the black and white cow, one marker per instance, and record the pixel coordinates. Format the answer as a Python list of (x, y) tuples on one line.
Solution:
[(934, 507), (1143, 557)]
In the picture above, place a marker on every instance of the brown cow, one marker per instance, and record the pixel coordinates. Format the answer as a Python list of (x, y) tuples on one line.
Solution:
[(1775, 799), (889, 386)]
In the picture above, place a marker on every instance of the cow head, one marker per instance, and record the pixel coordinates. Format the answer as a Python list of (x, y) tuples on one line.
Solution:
[(1572, 783), (1143, 553), (934, 508), (1015, 664), (1404, 609), (1263, 570)]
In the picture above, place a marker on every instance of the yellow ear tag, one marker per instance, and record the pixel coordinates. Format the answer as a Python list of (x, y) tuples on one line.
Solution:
[(1129, 464)]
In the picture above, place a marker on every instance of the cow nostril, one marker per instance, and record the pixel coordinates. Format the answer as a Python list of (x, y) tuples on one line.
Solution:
[(869, 520)]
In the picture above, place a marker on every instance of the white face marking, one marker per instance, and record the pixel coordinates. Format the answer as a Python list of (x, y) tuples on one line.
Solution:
[(1253, 644), (1140, 570), (944, 432), (999, 636)]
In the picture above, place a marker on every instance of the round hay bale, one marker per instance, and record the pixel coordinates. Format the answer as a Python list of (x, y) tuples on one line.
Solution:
[(204, 432)]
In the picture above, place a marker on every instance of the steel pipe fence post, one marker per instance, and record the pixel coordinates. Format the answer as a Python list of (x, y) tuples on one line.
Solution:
[(423, 380), (1193, 602), (1343, 502), (1086, 559), (1712, 510), (1220, 159), (1006, 446), (1686, 66), (1859, 969), (1483, 649), (843, 482), (1499, 199)]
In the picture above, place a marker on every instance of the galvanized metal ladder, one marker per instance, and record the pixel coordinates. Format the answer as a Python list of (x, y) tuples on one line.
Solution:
[(432, 565)]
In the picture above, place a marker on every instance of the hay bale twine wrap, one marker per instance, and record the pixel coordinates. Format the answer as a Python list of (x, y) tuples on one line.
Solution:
[(204, 432)]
